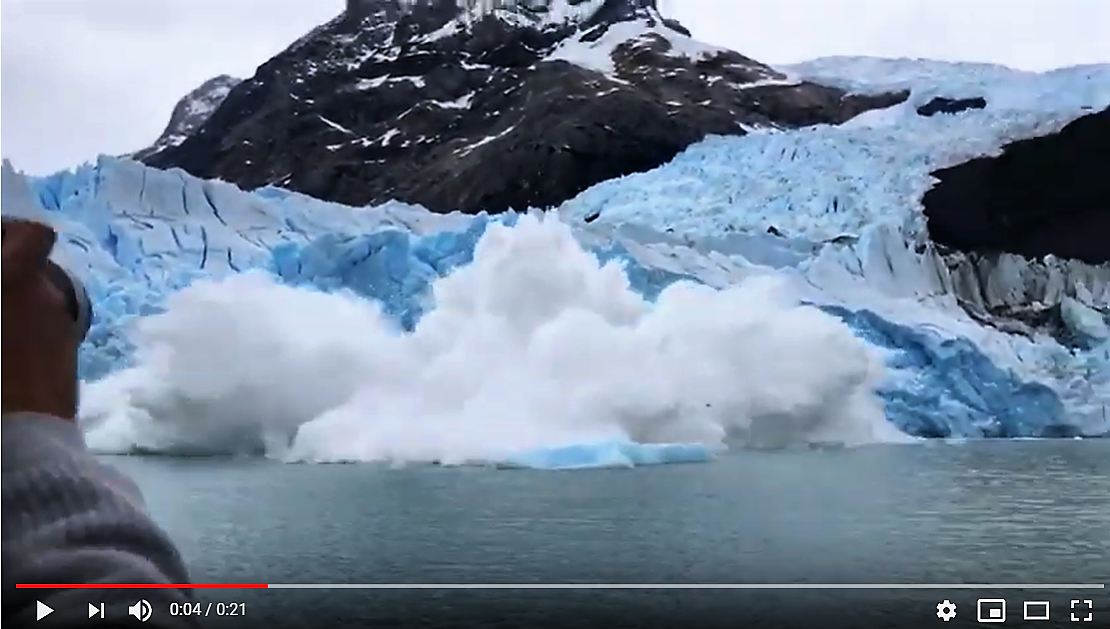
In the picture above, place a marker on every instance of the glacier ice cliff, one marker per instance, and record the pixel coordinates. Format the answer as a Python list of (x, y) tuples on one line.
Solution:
[(674, 325), (843, 204)]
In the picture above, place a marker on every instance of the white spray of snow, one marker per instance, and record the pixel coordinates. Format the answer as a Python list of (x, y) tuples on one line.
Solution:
[(534, 345)]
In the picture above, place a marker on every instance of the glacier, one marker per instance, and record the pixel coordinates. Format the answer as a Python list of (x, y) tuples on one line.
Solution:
[(671, 326)]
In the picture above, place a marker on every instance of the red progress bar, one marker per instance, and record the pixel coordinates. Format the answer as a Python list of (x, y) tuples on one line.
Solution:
[(142, 586)]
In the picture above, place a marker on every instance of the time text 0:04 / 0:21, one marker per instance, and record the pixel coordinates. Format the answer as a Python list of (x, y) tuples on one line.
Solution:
[(208, 609)]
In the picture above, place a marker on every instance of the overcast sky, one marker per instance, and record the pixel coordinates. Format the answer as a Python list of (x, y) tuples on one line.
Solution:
[(83, 77)]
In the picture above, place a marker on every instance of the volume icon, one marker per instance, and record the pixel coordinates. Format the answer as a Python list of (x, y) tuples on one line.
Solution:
[(140, 610)]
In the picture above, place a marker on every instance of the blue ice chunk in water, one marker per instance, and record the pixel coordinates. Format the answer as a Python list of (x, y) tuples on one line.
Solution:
[(609, 454)]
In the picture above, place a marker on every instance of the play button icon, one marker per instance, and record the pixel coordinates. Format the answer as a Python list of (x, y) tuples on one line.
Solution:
[(42, 610)]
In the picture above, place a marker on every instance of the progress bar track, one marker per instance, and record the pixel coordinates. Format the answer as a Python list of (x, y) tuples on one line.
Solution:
[(690, 586), (572, 586)]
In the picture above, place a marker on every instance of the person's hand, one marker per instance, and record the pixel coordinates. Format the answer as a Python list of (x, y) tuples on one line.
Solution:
[(39, 339)]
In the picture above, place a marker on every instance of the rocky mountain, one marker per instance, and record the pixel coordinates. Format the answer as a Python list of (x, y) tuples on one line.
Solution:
[(190, 113), (943, 105), (489, 105), (1040, 196)]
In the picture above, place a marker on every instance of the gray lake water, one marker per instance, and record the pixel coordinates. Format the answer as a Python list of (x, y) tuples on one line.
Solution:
[(1016, 512)]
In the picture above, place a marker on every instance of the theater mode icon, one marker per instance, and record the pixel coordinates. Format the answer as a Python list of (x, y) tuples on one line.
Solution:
[(1035, 610), (991, 610)]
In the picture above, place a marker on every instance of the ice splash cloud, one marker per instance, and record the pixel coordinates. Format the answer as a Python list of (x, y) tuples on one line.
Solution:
[(532, 352)]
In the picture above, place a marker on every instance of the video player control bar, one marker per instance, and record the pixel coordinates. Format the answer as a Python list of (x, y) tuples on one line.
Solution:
[(576, 586)]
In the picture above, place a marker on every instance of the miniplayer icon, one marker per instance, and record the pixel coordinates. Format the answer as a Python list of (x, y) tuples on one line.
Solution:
[(991, 610)]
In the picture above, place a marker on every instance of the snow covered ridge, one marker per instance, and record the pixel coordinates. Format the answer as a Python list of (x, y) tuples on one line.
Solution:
[(601, 50), (192, 111), (536, 13)]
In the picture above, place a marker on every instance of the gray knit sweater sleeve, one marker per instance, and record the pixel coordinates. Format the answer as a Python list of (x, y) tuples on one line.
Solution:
[(67, 518)]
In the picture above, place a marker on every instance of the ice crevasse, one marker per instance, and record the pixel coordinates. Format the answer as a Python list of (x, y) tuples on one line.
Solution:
[(232, 322)]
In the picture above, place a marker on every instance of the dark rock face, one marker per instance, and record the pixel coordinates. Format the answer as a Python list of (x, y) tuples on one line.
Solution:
[(190, 113), (1046, 195), (524, 105), (941, 105)]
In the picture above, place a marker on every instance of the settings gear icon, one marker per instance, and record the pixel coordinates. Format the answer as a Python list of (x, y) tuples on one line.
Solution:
[(946, 610)]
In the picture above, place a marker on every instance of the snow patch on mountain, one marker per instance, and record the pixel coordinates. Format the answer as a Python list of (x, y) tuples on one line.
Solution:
[(596, 53), (538, 14)]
